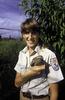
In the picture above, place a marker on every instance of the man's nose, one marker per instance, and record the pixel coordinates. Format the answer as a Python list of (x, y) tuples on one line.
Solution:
[(30, 35)]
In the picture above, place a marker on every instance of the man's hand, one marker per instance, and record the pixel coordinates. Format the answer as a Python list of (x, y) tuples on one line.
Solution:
[(38, 68)]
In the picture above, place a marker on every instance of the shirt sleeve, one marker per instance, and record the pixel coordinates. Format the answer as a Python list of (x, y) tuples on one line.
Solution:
[(55, 73), (21, 63)]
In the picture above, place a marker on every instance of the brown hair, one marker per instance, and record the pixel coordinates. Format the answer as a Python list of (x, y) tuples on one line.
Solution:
[(30, 24)]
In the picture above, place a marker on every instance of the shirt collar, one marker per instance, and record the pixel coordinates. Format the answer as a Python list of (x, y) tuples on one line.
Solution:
[(37, 49)]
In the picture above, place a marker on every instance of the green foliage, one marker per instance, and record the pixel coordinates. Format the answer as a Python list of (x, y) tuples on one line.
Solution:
[(9, 50), (51, 17)]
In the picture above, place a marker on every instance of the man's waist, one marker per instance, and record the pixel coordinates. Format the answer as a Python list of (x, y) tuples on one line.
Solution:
[(29, 95)]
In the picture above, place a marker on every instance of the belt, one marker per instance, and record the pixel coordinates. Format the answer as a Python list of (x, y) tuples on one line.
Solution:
[(29, 95)]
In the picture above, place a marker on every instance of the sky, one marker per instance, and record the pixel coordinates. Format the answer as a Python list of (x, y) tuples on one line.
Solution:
[(11, 16)]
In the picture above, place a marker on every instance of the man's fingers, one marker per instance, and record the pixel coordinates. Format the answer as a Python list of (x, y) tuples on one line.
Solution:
[(39, 68)]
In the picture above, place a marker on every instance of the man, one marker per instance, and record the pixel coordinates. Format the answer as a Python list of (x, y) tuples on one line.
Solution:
[(35, 82)]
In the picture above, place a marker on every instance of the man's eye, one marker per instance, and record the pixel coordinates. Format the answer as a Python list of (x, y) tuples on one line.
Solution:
[(34, 32), (26, 32)]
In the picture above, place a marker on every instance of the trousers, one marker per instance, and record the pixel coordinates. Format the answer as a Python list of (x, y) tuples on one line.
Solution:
[(22, 97)]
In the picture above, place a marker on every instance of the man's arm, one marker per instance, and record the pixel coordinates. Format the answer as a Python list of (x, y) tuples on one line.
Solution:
[(53, 91), (23, 77)]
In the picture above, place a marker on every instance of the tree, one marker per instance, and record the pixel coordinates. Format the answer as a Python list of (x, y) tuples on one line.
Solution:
[(51, 17), (0, 37)]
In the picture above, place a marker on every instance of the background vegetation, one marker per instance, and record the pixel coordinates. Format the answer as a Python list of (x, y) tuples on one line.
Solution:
[(9, 50)]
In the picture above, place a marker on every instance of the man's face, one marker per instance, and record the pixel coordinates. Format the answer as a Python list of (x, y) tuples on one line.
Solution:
[(31, 39)]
